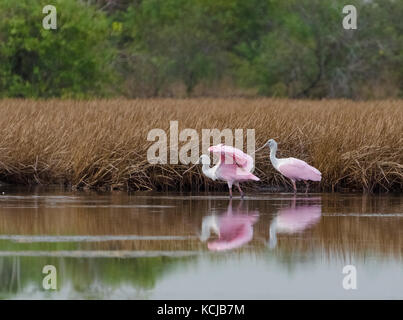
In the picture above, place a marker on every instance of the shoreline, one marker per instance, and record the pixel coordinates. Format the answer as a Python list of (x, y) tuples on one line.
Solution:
[(212, 190)]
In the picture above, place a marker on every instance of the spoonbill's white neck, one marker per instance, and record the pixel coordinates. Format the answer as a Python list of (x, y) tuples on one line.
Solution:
[(273, 158), (207, 171)]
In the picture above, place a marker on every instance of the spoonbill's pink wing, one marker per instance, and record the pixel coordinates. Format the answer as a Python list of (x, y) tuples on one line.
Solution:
[(234, 173), (233, 155), (299, 170)]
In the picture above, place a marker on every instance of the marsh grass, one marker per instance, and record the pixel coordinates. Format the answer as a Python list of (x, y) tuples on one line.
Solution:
[(103, 143)]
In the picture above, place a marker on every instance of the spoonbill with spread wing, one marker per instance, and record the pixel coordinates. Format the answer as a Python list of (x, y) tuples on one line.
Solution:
[(233, 167)]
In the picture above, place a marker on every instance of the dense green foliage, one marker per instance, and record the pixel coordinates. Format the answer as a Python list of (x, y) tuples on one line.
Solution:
[(70, 61), (145, 48)]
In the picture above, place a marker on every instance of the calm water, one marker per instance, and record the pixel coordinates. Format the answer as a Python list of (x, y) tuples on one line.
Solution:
[(200, 246)]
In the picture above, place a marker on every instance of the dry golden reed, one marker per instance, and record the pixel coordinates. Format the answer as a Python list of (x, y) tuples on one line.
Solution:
[(103, 143)]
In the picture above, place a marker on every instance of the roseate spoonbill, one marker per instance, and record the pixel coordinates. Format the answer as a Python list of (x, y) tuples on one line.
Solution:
[(234, 229), (294, 219), (233, 167), (292, 168)]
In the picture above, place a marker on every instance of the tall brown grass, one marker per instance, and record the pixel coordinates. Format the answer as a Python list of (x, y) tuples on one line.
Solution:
[(103, 143)]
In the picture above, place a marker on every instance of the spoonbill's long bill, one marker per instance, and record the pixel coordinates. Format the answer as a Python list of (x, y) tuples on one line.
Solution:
[(292, 168), (233, 167)]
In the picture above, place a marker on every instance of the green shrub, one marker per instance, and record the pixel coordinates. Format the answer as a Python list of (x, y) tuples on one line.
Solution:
[(71, 61)]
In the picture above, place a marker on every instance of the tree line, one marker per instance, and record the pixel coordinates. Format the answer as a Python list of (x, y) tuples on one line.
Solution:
[(182, 48)]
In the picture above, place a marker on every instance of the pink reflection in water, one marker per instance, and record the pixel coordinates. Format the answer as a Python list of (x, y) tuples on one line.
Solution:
[(234, 229), (294, 219)]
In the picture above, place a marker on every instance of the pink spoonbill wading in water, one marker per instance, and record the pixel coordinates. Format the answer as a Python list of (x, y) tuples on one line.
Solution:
[(233, 167), (292, 168)]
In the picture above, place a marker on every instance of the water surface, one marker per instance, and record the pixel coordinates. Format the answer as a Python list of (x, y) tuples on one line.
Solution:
[(199, 246)]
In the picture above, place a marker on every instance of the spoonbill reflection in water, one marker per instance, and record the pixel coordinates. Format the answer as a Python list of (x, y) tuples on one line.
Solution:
[(294, 219), (292, 168), (234, 229), (233, 167)]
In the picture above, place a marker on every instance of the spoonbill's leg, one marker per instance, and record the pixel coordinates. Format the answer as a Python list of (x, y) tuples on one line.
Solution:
[(230, 189), (294, 186), (240, 190), (307, 186)]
